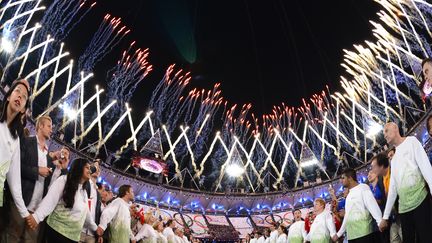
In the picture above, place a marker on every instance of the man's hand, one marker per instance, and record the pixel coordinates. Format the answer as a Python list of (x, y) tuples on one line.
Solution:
[(383, 225), (100, 239), (31, 222), (99, 231), (335, 238), (44, 171), (133, 241)]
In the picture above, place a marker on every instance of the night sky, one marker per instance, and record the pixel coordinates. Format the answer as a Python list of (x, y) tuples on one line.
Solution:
[(262, 52)]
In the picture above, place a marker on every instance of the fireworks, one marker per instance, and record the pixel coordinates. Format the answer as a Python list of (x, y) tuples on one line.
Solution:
[(381, 79), (111, 31), (129, 72)]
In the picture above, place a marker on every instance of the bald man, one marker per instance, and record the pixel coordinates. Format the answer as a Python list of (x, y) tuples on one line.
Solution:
[(410, 171)]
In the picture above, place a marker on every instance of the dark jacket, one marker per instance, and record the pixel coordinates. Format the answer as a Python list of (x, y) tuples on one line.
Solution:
[(30, 168), (98, 210)]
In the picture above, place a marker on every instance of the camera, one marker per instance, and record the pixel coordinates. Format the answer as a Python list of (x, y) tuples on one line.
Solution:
[(93, 169)]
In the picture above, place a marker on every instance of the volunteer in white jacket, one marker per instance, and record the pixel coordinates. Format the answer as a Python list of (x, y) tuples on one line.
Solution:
[(118, 215), (297, 232), (13, 108), (323, 227), (282, 237), (147, 233), (360, 207), (168, 232), (66, 206), (273, 233), (410, 172), (159, 227)]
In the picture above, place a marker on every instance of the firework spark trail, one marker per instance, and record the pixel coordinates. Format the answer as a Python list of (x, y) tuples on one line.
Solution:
[(22, 7), (157, 97), (21, 14), (359, 72), (271, 155), (179, 103), (62, 17), (109, 34), (10, 6), (419, 44), (168, 97), (124, 78), (284, 117), (210, 104), (15, 28), (393, 20), (202, 125), (319, 115), (326, 113), (425, 11), (207, 105), (157, 105), (235, 125), (196, 109), (417, 18), (58, 21), (262, 138)]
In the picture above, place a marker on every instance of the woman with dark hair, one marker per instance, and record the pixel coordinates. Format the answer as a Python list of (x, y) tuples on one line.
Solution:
[(13, 108), (282, 237), (426, 84), (169, 230), (67, 206), (429, 125)]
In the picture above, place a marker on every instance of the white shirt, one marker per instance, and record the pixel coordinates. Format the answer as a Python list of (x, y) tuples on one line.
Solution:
[(261, 239), (178, 239), (297, 230), (274, 236), (169, 234), (117, 213), (282, 238), (55, 175), (147, 233), (185, 239), (137, 227), (322, 227), (39, 184), (10, 168), (410, 168), (54, 201), (360, 204), (161, 238), (93, 202)]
